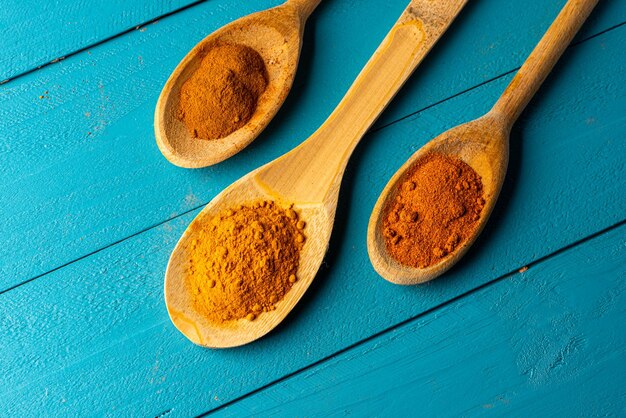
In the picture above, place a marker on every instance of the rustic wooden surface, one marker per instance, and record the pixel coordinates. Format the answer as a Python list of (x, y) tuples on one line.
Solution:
[(92, 211)]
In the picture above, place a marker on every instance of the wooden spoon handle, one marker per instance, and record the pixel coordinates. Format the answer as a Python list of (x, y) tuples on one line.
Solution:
[(419, 27), (305, 7), (312, 172), (417, 30), (543, 58)]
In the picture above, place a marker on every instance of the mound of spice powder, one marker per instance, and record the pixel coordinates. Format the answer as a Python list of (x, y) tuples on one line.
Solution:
[(221, 95), (243, 261), (436, 210)]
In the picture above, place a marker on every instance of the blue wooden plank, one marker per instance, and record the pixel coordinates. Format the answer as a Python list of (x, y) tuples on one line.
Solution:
[(94, 337), (37, 32), (89, 174), (488, 36), (547, 342)]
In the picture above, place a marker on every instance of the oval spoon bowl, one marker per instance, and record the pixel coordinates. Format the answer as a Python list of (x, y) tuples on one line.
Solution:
[(483, 145), (276, 34), (248, 189)]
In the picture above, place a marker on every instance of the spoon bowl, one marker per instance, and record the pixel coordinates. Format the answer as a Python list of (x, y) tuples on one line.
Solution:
[(483, 145), (276, 34), (248, 189)]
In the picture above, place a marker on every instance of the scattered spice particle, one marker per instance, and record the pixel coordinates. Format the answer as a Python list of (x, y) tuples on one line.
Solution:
[(523, 269)]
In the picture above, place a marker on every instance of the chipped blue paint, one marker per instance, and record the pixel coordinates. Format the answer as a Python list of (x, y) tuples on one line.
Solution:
[(102, 318)]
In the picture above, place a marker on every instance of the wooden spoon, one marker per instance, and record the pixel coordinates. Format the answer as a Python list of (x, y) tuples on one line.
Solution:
[(276, 34), (483, 144), (310, 175)]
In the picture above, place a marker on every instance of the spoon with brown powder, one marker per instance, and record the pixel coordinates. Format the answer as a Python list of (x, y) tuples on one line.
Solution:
[(229, 86), (253, 230), (438, 202)]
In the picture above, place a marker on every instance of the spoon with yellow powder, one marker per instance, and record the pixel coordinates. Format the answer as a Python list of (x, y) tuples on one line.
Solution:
[(289, 204), (438, 202), (229, 86)]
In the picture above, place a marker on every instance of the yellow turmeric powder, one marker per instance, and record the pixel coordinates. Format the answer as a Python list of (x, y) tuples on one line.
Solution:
[(243, 261)]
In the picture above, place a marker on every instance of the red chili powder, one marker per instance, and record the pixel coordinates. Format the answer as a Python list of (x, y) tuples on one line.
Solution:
[(435, 211)]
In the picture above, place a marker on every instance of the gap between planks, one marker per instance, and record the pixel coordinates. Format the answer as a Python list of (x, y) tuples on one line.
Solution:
[(442, 305), (491, 80), (119, 241), (102, 41), (467, 90)]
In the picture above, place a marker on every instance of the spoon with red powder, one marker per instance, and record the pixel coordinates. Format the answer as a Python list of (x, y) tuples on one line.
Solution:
[(438, 202), (229, 86)]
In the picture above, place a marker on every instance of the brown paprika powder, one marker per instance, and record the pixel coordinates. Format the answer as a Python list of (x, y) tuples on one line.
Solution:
[(221, 95)]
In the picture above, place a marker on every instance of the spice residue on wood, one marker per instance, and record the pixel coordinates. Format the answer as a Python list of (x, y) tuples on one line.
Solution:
[(435, 211), (222, 94), (243, 261)]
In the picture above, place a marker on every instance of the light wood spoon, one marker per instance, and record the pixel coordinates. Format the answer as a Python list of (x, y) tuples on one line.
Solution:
[(310, 175), (483, 144), (276, 34)]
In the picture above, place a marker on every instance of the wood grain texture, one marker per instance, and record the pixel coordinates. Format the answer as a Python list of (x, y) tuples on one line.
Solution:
[(482, 144), (94, 337), (36, 32), (550, 341), (84, 158)]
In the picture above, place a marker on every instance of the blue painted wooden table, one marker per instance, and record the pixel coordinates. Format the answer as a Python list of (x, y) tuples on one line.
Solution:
[(531, 322)]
